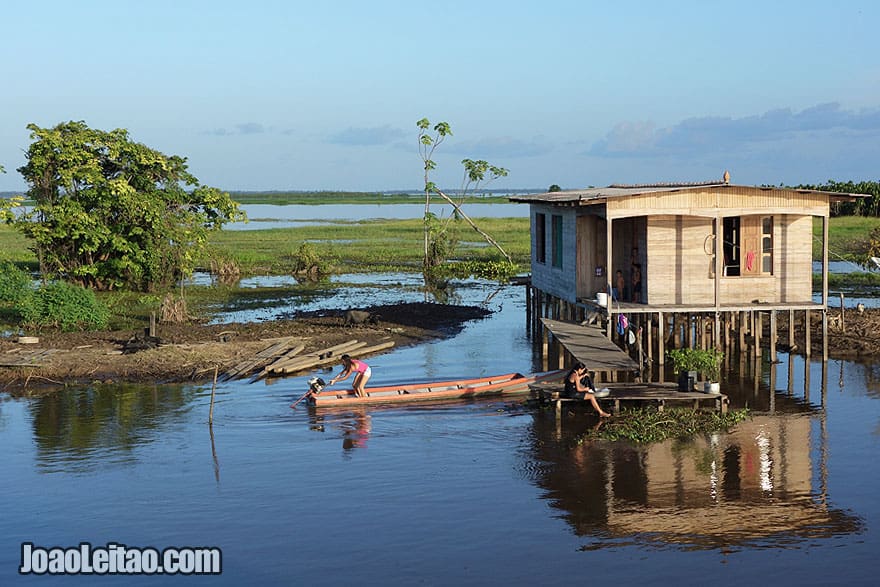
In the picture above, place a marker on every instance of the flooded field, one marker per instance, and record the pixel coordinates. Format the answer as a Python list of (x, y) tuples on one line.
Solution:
[(487, 492)]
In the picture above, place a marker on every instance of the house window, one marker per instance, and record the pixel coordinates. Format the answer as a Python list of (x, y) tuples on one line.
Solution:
[(556, 236), (767, 245), (747, 246), (540, 238)]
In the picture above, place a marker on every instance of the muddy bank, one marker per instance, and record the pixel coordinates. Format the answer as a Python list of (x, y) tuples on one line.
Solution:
[(190, 352), (855, 337)]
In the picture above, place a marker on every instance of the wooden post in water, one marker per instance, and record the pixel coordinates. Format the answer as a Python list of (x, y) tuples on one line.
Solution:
[(528, 292), (772, 341), (808, 327), (807, 380), (545, 347), (661, 345), (842, 314), (791, 329), (759, 327), (641, 351), (825, 334), (213, 389)]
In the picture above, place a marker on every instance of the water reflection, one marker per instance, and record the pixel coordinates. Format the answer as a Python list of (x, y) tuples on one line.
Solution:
[(81, 430), (764, 484), (354, 426)]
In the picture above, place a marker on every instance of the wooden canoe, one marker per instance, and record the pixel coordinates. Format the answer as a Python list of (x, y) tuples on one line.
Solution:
[(507, 384)]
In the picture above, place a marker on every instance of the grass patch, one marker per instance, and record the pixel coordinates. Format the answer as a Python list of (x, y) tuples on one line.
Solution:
[(857, 281), (847, 237), (648, 425), (362, 246)]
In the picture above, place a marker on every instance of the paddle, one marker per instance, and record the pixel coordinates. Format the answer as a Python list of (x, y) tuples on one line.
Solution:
[(305, 395)]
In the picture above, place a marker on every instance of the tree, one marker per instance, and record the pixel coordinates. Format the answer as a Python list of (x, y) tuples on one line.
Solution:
[(110, 212), (438, 243), (861, 206), (554, 188)]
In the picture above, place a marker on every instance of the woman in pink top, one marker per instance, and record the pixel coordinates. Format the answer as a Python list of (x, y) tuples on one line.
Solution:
[(350, 366)]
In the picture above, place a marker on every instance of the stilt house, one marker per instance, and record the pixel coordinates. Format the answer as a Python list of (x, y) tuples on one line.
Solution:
[(709, 248)]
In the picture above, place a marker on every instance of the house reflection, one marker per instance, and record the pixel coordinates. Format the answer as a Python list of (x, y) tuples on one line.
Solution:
[(763, 483)]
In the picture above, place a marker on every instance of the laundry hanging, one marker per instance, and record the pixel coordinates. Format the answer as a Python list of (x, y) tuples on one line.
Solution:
[(750, 260)]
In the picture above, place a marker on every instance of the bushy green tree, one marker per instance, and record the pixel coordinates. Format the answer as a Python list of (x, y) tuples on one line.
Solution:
[(869, 206), (111, 213)]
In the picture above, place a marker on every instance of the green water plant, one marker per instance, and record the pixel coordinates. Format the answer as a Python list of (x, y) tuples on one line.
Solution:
[(649, 425)]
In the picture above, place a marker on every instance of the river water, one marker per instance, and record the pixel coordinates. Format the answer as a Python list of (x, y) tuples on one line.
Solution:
[(262, 216), (485, 492)]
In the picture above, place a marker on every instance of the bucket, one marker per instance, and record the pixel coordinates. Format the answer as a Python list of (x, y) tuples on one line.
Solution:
[(602, 299)]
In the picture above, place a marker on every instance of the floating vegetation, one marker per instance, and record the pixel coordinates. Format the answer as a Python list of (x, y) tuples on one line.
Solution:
[(648, 425)]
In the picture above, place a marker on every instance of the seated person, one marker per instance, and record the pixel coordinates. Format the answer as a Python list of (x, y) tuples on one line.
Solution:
[(578, 382)]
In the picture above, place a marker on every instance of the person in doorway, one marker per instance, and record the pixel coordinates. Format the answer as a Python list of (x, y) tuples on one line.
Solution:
[(578, 381), (636, 283), (362, 371), (620, 286)]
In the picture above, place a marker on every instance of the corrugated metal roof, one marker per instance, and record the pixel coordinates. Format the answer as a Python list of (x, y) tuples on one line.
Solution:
[(596, 195)]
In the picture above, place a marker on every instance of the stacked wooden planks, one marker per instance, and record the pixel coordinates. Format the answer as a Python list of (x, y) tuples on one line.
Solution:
[(29, 358), (284, 358), (267, 355)]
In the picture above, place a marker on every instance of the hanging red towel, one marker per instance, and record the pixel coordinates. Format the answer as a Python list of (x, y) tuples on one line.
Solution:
[(750, 260)]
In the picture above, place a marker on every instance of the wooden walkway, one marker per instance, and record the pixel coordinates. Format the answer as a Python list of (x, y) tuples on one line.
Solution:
[(590, 346), (659, 394)]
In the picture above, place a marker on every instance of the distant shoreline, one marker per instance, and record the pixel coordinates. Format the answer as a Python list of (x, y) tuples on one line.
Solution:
[(283, 197)]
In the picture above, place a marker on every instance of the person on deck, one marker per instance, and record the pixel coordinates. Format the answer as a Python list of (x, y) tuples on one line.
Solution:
[(636, 283), (579, 381), (350, 366), (620, 287)]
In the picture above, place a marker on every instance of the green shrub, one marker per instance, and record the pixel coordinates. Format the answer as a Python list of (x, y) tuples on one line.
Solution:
[(496, 270), (309, 260), (66, 306), (15, 285)]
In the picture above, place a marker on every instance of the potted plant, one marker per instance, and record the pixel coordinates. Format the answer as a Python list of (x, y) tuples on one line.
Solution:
[(690, 364), (710, 367)]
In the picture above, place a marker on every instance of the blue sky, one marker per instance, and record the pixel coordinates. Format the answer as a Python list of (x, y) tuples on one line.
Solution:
[(266, 95)]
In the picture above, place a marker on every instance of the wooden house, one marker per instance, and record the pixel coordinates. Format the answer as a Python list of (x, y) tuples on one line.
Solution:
[(685, 248)]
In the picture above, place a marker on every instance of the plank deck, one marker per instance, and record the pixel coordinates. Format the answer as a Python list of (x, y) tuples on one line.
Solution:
[(657, 393), (590, 346)]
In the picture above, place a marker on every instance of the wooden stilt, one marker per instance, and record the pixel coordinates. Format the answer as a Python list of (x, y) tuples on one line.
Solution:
[(825, 335), (772, 341), (772, 382), (808, 343), (545, 349), (759, 327), (807, 380), (661, 345)]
